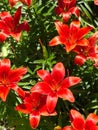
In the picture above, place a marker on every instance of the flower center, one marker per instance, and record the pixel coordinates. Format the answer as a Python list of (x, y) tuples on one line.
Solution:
[(54, 86), (4, 80), (35, 105)]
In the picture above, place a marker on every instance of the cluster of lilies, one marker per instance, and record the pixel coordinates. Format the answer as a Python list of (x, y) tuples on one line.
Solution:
[(43, 96), (72, 36)]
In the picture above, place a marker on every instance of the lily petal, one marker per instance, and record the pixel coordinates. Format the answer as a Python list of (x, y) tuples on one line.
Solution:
[(16, 35), (34, 119), (4, 27), (4, 14), (78, 123), (58, 72), (51, 102), (69, 46), (17, 32), (83, 31), (44, 112), (63, 29), (66, 16), (83, 42), (23, 26), (4, 91), (74, 28), (8, 19), (66, 94), (93, 117), (4, 68), (44, 75), (28, 2), (58, 10), (79, 59), (41, 87), (70, 81), (13, 2), (93, 39), (75, 11), (90, 124), (17, 16), (55, 41), (24, 108), (21, 93), (76, 119), (71, 3), (3, 37), (16, 74), (75, 114), (96, 2)]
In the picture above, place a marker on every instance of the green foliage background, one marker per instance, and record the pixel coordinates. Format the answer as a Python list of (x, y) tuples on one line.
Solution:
[(33, 52)]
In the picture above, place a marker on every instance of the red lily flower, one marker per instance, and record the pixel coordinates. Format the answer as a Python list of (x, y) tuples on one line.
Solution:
[(34, 104), (79, 123), (96, 2), (54, 85), (70, 36), (85, 54), (88, 52), (66, 8), (10, 25), (26, 2), (9, 78)]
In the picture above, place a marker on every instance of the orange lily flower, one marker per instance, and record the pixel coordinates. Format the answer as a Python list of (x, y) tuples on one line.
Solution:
[(34, 104), (96, 2), (26, 2), (88, 52), (66, 8), (71, 36), (79, 123), (55, 86), (9, 78), (10, 25)]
